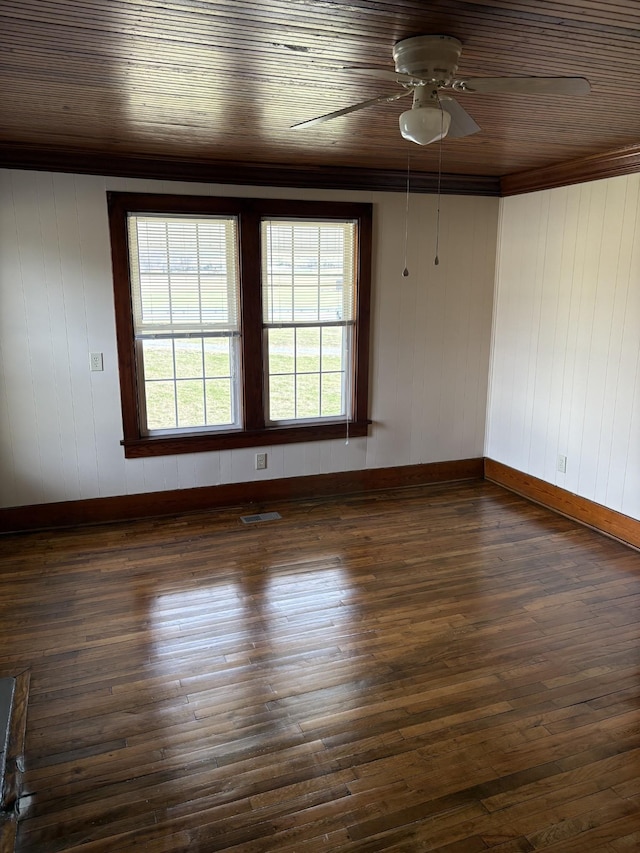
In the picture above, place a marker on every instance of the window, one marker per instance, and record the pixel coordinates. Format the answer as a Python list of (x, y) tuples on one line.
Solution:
[(186, 321), (308, 313), (240, 322)]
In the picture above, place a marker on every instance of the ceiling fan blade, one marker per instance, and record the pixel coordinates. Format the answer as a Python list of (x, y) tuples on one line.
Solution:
[(382, 73), (525, 85), (343, 112), (461, 122)]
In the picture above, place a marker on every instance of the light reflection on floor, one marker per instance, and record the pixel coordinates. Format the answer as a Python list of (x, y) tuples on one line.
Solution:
[(287, 620)]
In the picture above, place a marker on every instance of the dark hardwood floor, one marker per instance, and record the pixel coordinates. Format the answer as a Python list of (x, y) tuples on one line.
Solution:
[(442, 668)]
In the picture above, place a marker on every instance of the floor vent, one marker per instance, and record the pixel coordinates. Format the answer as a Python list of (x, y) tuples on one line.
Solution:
[(260, 516)]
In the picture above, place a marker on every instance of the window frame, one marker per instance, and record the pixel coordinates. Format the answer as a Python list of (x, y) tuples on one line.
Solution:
[(249, 213)]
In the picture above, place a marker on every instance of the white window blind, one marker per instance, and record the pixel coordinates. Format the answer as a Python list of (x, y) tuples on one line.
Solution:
[(184, 275), (308, 274)]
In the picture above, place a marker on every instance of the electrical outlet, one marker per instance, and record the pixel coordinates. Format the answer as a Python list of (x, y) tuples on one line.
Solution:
[(95, 360), (261, 461), (562, 463)]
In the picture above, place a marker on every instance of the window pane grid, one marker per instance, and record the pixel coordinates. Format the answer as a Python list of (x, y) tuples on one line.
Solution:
[(299, 389), (189, 383), (309, 289)]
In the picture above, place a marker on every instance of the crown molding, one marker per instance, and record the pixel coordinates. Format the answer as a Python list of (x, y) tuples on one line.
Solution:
[(232, 172), (608, 164)]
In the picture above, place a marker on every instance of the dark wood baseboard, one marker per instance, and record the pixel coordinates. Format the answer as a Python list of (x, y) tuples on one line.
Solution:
[(145, 505), (123, 507), (594, 515)]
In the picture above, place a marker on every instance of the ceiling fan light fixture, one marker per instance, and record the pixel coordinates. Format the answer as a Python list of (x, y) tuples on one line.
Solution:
[(424, 124), (427, 65)]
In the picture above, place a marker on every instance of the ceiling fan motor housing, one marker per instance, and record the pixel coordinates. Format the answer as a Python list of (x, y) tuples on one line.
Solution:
[(430, 58)]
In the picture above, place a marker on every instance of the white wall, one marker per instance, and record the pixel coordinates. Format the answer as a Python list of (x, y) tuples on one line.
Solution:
[(60, 425), (565, 375)]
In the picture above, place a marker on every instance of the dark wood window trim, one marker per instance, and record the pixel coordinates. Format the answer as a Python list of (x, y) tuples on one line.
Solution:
[(249, 213)]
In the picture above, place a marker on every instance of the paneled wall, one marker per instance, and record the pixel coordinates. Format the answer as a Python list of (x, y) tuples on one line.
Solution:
[(60, 424), (565, 376)]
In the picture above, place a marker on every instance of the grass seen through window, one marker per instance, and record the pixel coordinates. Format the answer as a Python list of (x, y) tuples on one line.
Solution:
[(189, 382), (306, 372)]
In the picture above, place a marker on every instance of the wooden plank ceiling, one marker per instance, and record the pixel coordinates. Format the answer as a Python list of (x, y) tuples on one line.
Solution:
[(221, 81)]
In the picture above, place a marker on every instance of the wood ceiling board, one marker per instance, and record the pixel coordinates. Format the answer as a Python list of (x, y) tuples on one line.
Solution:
[(218, 81)]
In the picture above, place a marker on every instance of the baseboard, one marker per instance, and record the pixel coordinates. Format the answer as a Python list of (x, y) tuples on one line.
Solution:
[(594, 515), (145, 505), (150, 504)]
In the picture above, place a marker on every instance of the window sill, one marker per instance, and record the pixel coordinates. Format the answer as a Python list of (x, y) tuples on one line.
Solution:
[(200, 442)]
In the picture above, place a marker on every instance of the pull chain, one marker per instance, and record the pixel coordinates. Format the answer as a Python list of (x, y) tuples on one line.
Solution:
[(436, 260), (405, 271)]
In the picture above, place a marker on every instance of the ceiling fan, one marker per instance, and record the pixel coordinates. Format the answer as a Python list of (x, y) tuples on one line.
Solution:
[(425, 66)]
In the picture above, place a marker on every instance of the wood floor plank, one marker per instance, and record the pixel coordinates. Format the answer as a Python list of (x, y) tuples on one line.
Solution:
[(434, 668)]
